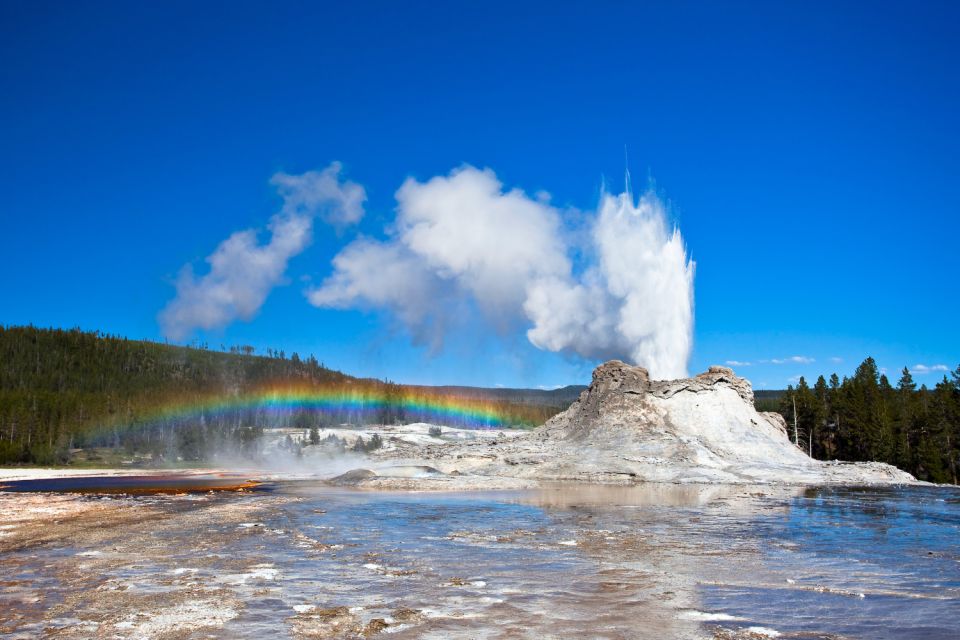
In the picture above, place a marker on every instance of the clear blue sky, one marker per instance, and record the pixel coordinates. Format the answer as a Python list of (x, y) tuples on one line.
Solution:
[(809, 152)]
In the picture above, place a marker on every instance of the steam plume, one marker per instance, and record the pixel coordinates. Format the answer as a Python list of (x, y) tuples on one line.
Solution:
[(462, 242)]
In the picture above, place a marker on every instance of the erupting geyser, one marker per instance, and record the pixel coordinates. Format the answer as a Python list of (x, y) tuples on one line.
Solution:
[(634, 302)]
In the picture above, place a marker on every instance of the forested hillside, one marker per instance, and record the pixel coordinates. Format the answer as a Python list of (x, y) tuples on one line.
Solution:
[(865, 417), (66, 389), (767, 399)]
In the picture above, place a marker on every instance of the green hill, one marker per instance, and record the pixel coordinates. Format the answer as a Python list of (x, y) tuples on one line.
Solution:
[(61, 390)]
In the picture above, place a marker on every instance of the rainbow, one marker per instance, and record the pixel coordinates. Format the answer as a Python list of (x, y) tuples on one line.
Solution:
[(352, 402)]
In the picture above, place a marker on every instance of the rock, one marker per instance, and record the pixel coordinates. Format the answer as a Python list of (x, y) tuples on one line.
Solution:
[(352, 477), (405, 614), (374, 627), (776, 420), (334, 622), (409, 471), (706, 425)]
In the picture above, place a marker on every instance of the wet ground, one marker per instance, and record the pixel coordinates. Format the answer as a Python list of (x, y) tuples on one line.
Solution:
[(304, 560)]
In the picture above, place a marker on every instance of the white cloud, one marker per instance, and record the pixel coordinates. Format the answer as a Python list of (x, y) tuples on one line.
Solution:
[(792, 360), (738, 363), (458, 244), (323, 194), (462, 242), (492, 243), (925, 369), (836, 359), (242, 271), (794, 379)]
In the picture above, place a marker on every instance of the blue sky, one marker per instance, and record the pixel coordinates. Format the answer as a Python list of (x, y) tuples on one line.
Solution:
[(807, 152)]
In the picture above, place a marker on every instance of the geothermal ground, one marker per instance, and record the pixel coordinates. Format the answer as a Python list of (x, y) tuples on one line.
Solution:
[(647, 510), (300, 559)]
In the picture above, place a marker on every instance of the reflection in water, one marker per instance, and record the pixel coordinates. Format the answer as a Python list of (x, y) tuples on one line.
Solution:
[(563, 561), (867, 562), (654, 495)]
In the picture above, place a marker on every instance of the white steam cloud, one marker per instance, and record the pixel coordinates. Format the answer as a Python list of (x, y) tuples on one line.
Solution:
[(243, 271), (460, 242), (385, 275), (457, 241)]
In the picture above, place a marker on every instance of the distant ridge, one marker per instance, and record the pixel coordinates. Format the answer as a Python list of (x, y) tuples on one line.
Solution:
[(561, 397)]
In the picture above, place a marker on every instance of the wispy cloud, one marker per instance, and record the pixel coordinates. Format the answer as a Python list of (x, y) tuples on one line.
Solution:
[(794, 379), (243, 271), (836, 359), (321, 193), (790, 360), (933, 368), (738, 363)]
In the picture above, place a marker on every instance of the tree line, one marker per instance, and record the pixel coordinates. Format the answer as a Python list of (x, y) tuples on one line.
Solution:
[(63, 390), (865, 417)]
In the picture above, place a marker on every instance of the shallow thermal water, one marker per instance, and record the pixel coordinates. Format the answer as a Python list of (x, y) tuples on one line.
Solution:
[(130, 484), (306, 560)]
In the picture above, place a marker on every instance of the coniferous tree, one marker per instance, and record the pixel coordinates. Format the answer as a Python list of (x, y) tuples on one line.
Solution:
[(821, 418), (863, 401), (905, 431), (929, 464), (884, 412), (864, 418)]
